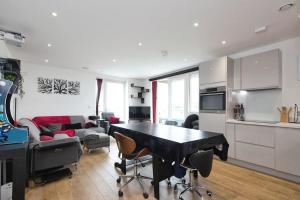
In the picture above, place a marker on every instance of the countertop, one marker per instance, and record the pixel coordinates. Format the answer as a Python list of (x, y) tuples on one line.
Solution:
[(272, 124)]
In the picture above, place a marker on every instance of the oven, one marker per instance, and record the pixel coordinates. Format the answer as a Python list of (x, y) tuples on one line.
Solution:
[(213, 100)]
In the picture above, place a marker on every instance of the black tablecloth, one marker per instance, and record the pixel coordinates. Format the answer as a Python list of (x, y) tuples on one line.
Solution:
[(170, 142)]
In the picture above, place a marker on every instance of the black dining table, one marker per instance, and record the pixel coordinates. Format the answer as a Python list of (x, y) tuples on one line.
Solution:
[(170, 144)]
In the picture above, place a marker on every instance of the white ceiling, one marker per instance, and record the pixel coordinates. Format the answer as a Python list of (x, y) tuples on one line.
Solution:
[(91, 33)]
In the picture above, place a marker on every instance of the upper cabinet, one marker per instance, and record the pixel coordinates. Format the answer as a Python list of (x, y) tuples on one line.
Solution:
[(259, 71), (213, 71)]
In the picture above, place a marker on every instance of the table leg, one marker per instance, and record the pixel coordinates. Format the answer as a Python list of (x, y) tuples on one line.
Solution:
[(19, 178), (155, 166)]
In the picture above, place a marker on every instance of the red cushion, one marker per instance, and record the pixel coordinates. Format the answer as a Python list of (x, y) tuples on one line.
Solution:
[(46, 120), (45, 138), (114, 120), (70, 133)]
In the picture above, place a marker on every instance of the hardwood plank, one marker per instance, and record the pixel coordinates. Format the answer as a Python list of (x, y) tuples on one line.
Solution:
[(95, 178)]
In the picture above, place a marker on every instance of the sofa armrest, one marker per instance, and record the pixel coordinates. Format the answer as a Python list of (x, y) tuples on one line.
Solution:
[(54, 143)]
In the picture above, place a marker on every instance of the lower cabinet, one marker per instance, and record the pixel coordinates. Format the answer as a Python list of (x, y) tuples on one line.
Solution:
[(273, 147), (230, 136), (259, 155), (288, 150)]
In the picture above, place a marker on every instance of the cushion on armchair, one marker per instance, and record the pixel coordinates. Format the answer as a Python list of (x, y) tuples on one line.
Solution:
[(114, 120)]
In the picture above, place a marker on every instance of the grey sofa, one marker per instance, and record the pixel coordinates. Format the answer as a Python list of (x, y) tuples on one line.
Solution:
[(43, 155)]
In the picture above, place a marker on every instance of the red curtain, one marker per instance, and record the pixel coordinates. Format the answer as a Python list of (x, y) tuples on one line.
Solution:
[(99, 85), (154, 95)]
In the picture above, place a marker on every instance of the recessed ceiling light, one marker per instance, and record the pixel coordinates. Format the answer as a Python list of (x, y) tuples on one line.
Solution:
[(140, 44), (261, 29), (286, 7), (54, 14), (224, 42), (196, 24), (46, 60), (114, 60), (299, 16), (49, 45), (85, 68)]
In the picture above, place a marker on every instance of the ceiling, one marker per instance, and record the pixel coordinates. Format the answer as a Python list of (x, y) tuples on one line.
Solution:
[(91, 33)]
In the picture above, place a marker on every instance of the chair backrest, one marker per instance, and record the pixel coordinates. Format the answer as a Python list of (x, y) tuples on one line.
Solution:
[(125, 144), (202, 161), (188, 121), (170, 122), (107, 115)]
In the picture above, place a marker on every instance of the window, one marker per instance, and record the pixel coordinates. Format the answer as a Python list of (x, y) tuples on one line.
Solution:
[(177, 99), (194, 93), (162, 100), (112, 98)]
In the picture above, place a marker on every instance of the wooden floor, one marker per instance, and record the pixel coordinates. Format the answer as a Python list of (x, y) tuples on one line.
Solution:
[(96, 177)]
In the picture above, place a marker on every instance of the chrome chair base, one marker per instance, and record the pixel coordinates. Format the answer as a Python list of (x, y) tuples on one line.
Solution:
[(136, 176), (191, 187)]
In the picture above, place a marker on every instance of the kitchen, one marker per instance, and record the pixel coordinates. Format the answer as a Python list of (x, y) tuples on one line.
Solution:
[(262, 87)]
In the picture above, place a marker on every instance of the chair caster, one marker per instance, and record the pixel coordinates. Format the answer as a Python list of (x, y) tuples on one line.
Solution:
[(180, 198), (169, 184), (145, 195), (175, 187), (152, 182), (183, 181), (209, 193), (119, 180), (120, 193)]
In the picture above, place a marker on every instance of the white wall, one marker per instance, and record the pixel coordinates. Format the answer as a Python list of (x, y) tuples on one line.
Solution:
[(290, 93), (36, 104)]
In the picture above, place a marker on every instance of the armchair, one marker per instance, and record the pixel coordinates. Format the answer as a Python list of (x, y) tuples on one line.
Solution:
[(106, 117)]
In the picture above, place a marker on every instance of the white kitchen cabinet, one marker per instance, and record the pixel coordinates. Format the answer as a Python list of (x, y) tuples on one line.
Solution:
[(230, 137), (213, 122), (288, 150), (255, 154), (261, 70), (237, 74), (259, 135), (213, 71)]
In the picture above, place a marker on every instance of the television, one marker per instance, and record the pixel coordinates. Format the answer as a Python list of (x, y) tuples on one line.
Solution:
[(139, 112)]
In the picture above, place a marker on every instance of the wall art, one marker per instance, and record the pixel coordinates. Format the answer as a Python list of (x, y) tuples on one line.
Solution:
[(74, 87), (60, 86), (45, 85)]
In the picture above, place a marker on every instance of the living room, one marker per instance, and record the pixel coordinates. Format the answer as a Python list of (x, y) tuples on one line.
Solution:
[(170, 78)]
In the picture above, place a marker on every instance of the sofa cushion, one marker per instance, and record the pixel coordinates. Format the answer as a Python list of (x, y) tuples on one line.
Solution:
[(46, 120), (34, 131), (97, 129), (45, 138), (70, 133), (77, 119), (60, 136), (114, 120), (55, 127), (72, 126), (107, 115)]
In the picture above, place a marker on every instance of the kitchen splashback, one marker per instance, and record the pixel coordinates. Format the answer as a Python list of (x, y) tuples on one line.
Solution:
[(260, 104)]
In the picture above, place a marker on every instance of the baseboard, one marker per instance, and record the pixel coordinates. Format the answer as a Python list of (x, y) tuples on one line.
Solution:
[(265, 170)]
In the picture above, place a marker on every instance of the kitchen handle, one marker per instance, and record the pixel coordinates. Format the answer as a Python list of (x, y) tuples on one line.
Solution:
[(210, 94)]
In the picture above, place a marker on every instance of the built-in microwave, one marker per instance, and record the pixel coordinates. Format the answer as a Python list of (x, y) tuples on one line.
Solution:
[(213, 100)]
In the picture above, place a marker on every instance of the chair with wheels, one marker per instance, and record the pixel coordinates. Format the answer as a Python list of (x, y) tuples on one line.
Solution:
[(202, 162), (127, 147)]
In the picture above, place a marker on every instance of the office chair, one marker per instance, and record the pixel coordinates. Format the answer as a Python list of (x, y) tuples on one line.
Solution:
[(127, 147), (202, 162)]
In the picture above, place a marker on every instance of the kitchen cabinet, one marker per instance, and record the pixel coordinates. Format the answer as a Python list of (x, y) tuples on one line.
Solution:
[(237, 74), (258, 135), (260, 155), (213, 122), (288, 150), (261, 71), (213, 71), (230, 137)]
